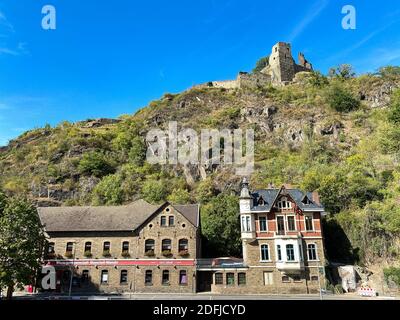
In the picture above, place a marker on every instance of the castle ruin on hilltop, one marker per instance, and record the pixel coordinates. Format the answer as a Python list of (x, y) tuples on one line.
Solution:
[(280, 70)]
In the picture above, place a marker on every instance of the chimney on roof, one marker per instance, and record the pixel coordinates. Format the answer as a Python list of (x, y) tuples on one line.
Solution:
[(315, 197), (271, 185)]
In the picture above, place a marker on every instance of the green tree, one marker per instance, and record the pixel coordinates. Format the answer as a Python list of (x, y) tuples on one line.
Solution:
[(95, 163), (205, 191), (317, 79), (109, 191), (394, 109), (22, 242), (221, 226), (341, 99), (179, 196), (154, 191), (137, 153), (342, 72), (261, 64)]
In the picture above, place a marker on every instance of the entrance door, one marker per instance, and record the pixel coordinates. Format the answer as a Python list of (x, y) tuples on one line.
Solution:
[(268, 278), (280, 221), (204, 281)]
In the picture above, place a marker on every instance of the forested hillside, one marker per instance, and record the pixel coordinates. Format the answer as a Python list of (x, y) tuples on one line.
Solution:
[(338, 134)]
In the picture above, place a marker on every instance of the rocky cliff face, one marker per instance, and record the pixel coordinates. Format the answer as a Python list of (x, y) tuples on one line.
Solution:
[(45, 162)]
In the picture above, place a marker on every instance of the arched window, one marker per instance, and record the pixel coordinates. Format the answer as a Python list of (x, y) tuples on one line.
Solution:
[(264, 252), (312, 251), (166, 245), (183, 245)]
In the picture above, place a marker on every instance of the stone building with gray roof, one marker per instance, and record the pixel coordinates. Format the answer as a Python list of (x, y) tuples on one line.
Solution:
[(138, 247)]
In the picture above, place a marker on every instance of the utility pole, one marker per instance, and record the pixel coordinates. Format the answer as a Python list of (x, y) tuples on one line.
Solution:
[(72, 270)]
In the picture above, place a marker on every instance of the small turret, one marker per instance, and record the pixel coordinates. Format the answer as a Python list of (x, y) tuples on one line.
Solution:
[(246, 217)]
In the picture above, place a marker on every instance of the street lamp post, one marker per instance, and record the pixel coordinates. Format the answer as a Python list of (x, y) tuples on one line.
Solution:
[(72, 270)]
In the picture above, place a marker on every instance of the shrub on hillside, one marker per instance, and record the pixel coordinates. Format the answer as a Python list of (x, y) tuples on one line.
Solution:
[(95, 164), (341, 99)]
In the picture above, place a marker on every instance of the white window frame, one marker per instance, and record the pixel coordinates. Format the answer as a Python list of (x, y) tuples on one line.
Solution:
[(266, 223), (316, 252), (287, 222), (261, 251), (246, 223), (284, 222), (277, 253), (312, 222), (294, 252)]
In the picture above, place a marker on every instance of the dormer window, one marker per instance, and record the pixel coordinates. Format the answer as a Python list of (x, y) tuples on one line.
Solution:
[(261, 202), (306, 200), (284, 204)]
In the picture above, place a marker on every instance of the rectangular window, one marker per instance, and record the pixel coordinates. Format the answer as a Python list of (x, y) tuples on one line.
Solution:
[(183, 277), (219, 278), (309, 222), (263, 223), (106, 246), (285, 279), (165, 277), (51, 247), (281, 225), (148, 279), (104, 277), (163, 221), (124, 277), (85, 276), (291, 223), (125, 246), (312, 251), (70, 246), (230, 279), (241, 278), (290, 252), (268, 278), (88, 247), (264, 252), (246, 225), (279, 252), (171, 221)]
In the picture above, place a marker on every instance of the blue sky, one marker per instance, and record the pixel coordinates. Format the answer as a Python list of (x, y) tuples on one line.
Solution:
[(108, 58)]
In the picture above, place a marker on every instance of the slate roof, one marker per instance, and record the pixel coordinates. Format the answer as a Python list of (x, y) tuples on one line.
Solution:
[(269, 196), (106, 218)]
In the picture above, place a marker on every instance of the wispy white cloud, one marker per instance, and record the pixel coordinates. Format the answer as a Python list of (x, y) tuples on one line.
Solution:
[(313, 13), (7, 29), (379, 57), (360, 43), (5, 23)]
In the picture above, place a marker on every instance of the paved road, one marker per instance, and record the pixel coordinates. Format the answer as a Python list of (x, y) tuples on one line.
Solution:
[(210, 297)]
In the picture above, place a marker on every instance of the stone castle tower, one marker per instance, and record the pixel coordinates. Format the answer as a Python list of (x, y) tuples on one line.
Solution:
[(281, 67)]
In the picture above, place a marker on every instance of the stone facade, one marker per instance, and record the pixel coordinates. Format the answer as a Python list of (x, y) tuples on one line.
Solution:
[(166, 246), (281, 67)]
